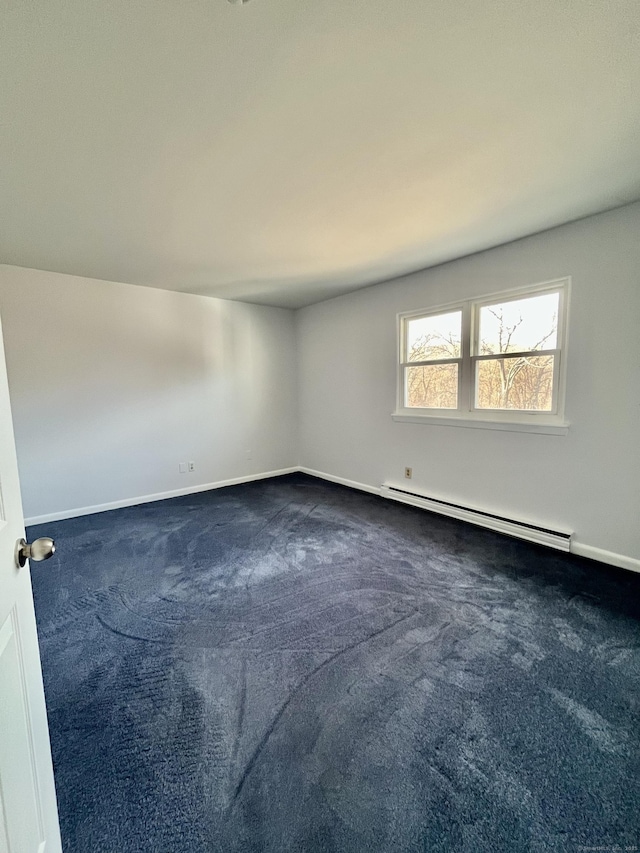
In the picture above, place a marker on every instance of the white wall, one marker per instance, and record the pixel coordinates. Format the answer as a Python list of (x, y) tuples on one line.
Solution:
[(113, 385), (587, 481)]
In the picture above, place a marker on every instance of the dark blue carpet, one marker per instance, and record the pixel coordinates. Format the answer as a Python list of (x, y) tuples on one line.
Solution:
[(293, 666)]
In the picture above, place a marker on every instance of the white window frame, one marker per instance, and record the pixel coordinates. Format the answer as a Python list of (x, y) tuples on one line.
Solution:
[(467, 414)]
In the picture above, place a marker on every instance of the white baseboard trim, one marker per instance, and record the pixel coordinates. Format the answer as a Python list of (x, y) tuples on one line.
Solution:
[(602, 556), (352, 484), (580, 549), (159, 496)]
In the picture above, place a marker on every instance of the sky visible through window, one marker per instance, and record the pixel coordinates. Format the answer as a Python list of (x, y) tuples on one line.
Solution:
[(506, 380), (520, 325), (434, 337)]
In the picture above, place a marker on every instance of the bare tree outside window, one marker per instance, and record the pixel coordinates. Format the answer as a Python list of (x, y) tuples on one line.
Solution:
[(433, 387), (523, 381), (513, 356), (434, 339)]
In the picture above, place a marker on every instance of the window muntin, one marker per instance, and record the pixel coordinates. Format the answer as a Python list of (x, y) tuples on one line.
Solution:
[(498, 357)]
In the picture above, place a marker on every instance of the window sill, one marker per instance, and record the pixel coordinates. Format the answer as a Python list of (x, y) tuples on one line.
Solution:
[(561, 428)]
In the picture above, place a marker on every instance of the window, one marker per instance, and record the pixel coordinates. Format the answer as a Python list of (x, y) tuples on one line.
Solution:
[(496, 361)]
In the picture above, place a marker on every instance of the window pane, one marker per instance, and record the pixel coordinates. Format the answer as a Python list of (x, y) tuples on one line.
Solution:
[(515, 383), (432, 387), (521, 325), (434, 337)]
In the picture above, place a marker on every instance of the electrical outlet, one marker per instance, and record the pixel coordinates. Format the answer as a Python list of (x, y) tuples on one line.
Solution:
[(182, 467), (192, 466), (408, 472), (248, 455)]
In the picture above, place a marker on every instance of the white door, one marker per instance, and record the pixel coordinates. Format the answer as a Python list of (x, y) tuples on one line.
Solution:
[(28, 811)]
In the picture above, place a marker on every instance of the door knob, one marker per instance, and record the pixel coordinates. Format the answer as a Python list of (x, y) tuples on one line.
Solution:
[(41, 549)]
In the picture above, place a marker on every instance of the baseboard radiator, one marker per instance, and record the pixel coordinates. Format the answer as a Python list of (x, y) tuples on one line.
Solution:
[(559, 539)]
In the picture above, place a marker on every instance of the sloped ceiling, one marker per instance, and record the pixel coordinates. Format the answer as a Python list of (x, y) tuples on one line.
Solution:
[(286, 151)]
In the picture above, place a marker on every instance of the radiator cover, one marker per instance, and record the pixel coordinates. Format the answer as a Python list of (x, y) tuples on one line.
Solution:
[(553, 538)]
